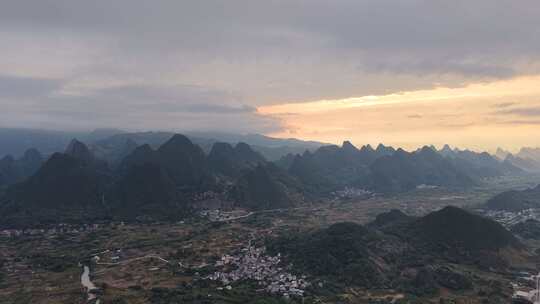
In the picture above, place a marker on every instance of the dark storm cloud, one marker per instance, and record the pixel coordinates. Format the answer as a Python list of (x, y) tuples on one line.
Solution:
[(215, 61)]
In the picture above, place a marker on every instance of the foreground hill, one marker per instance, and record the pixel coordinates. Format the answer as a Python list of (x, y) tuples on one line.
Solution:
[(407, 258), (515, 200), (390, 219), (341, 252), (456, 228)]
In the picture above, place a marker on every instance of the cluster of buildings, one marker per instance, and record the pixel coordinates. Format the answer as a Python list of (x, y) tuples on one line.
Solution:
[(210, 200), (204, 196), (508, 218), (254, 264), (526, 290), (58, 229), (107, 257), (426, 187), (217, 215), (350, 193)]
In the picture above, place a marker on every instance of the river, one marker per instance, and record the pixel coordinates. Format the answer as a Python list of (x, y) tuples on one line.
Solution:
[(86, 283)]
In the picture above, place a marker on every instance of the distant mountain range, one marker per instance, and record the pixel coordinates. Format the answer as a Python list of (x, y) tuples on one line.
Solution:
[(113, 144), (479, 164), (164, 176), (330, 168), (527, 159), (16, 141), (387, 170), (16, 170)]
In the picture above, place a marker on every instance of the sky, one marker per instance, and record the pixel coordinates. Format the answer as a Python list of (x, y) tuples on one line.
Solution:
[(401, 72)]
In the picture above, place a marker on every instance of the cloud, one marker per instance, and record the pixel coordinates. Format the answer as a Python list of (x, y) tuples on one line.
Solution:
[(521, 122), (14, 87), (217, 61), (180, 107), (524, 111), (504, 104), (467, 69)]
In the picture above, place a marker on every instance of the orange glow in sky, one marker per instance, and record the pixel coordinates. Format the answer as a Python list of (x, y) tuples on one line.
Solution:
[(481, 116)]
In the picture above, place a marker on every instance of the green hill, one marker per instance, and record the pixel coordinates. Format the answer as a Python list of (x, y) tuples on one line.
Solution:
[(515, 200)]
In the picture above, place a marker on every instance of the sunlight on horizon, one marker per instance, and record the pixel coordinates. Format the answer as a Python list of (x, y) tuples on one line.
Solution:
[(441, 115)]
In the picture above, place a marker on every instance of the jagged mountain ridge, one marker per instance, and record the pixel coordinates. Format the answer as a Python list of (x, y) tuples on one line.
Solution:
[(330, 168), (526, 164), (16, 170), (180, 171), (480, 164), (403, 171), (529, 153), (527, 159), (149, 183), (270, 148), (387, 170), (113, 144)]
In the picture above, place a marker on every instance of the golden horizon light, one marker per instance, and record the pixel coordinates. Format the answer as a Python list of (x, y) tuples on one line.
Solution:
[(480, 116)]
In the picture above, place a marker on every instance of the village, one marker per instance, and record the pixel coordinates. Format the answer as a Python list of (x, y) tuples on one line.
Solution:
[(352, 193), (508, 218), (526, 288), (253, 263), (51, 231), (217, 215)]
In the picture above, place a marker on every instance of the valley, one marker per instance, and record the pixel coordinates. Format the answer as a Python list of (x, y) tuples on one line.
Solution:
[(167, 262)]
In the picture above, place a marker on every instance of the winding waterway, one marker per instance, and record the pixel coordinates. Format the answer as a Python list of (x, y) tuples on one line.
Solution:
[(86, 283)]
